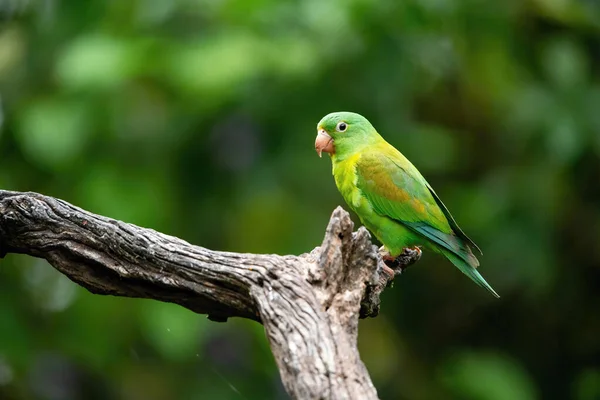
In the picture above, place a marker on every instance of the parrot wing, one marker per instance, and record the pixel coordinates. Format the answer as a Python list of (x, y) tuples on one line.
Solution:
[(397, 190)]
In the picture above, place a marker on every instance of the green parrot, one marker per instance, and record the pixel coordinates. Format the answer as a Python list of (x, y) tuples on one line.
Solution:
[(390, 196)]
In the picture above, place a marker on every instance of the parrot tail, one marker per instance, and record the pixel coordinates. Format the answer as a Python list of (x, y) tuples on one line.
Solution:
[(469, 271)]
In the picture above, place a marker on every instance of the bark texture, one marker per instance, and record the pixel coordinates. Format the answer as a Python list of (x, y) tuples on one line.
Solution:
[(309, 304)]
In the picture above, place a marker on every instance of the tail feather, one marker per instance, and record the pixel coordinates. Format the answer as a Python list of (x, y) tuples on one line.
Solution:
[(469, 271)]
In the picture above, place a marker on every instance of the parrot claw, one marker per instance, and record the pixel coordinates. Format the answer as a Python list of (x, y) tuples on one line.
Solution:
[(389, 272), (416, 252), (398, 264)]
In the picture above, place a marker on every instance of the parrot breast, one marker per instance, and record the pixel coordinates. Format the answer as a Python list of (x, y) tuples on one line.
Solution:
[(344, 173)]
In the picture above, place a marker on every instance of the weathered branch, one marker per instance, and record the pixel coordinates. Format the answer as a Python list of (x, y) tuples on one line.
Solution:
[(309, 304)]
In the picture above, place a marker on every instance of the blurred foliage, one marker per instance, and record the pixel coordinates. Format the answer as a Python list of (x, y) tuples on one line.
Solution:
[(197, 118)]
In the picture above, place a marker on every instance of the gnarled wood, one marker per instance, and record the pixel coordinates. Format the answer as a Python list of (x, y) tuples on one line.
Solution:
[(309, 304)]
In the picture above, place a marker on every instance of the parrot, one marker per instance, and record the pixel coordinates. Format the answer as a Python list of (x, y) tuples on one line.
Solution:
[(390, 196)]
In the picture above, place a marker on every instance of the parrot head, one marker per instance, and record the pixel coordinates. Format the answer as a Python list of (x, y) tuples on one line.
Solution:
[(344, 133)]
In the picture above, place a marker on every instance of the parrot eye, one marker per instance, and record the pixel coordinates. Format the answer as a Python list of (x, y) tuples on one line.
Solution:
[(341, 127)]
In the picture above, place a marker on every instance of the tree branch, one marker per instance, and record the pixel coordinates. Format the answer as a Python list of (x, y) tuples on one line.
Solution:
[(309, 304)]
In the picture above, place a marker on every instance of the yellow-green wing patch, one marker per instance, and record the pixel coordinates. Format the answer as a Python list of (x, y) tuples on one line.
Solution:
[(396, 189), (397, 194)]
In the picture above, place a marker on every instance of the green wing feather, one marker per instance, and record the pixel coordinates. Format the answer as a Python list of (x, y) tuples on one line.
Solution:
[(397, 190)]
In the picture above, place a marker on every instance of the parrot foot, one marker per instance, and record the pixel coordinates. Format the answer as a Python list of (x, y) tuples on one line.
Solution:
[(398, 264), (388, 271)]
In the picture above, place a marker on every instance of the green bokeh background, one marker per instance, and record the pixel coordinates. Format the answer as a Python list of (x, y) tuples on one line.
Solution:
[(197, 118)]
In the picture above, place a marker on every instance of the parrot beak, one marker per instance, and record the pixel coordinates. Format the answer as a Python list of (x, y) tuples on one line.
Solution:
[(324, 143)]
